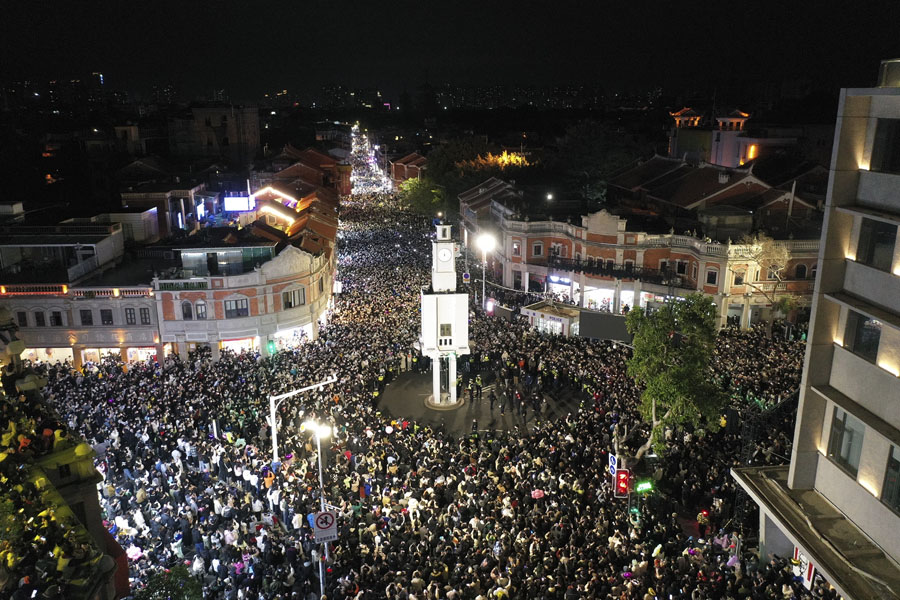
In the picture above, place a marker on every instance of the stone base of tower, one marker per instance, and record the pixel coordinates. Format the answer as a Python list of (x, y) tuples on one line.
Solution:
[(444, 404)]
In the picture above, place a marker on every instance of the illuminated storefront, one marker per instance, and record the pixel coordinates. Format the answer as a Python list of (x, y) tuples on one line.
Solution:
[(49, 355), (293, 337), (250, 344), (141, 353)]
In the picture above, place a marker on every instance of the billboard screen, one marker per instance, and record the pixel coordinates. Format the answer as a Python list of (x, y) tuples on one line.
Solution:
[(239, 203)]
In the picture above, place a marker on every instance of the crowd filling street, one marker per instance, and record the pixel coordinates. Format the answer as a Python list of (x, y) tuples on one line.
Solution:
[(184, 447)]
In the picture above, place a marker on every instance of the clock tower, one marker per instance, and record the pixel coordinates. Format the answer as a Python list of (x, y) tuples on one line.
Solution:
[(445, 320)]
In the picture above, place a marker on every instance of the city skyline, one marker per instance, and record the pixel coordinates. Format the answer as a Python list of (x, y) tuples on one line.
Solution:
[(250, 51)]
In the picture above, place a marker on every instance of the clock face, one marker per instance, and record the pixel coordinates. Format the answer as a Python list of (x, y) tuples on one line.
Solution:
[(445, 254)]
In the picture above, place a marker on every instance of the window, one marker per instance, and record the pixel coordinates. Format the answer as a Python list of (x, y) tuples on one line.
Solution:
[(56, 319), (39, 319), (145, 316), (22, 318), (890, 492), (129, 316), (738, 278), (321, 284), (294, 298), (694, 271), (681, 267), (106, 316), (663, 265), (812, 272), (87, 317), (201, 310), (846, 440), (629, 265), (876, 244), (771, 274), (886, 147), (446, 330), (712, 277), (187, 311), (800, 272), (236, 308), (537, 249), (861, 335), (517, 249), (610, 264)]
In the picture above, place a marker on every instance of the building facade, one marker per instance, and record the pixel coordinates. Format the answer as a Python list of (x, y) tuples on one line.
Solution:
[(280, 302), (601, 264), (838, 503)]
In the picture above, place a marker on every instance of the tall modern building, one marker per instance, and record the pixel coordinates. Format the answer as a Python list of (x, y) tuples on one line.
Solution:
[(836, 508)]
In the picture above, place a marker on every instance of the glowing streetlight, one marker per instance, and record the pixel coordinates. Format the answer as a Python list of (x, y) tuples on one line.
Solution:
[(549, 197), (320, 431), (486, 243), (275, 402)]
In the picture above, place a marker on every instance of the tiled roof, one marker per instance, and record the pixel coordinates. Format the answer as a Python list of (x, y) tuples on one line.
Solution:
[(697, 185), (646, 172)]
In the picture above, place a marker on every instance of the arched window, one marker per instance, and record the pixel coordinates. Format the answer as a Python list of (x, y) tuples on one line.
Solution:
[(812, 271), (187, 310), (200, 309), (801, 271)]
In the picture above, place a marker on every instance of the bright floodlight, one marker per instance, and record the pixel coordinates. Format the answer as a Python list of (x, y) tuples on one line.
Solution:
[(486, 242), (322, 431)]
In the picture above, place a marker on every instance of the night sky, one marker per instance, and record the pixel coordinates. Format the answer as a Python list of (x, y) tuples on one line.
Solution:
[(253, 47)]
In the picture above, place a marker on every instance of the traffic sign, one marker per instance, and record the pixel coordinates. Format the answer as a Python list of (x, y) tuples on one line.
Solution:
[(326, 526), (612, 464), (466, 278)]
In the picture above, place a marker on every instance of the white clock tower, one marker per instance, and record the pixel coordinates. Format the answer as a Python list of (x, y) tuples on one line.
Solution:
[(445, 319)]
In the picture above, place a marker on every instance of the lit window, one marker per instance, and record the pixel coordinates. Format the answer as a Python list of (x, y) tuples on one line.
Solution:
[(862, 335), (516, 249), (845, 443)]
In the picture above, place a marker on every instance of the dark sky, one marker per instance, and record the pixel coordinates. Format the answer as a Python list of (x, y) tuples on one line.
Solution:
[(257, 46)]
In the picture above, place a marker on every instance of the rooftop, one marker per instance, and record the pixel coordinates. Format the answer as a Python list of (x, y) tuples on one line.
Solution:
[(846, 556)]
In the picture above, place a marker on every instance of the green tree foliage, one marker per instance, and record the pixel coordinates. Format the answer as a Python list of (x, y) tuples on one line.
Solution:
[(422, 195), (673, 350), (173, 584)]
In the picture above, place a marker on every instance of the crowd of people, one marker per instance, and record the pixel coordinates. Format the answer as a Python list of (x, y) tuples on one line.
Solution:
[(184, 447)]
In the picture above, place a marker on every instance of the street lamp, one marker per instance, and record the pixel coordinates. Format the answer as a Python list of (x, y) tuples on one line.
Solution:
[(486, 242), (275, 402), (320, 431)]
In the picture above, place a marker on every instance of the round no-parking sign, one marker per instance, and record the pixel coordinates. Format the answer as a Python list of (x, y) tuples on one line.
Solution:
[(326, 526)]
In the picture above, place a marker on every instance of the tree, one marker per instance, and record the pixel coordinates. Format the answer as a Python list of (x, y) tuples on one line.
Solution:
[(422, 195), (769, 256), (172, 584), (673, 349)]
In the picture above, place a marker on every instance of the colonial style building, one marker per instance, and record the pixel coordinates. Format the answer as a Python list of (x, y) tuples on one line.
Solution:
[(837, 506), (74, 295), (601, 263)]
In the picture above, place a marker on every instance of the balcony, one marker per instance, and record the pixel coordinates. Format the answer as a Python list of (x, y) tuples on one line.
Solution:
[(648, 275)]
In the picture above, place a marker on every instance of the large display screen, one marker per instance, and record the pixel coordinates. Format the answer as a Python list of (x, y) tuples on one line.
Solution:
[(239, 203)]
